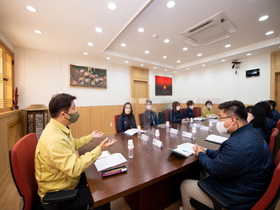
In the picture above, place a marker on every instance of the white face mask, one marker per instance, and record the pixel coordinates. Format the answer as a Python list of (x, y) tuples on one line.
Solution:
[(191, 107), (250, 117), (209, 106), (149, 107), (221, 128), (178, 108)]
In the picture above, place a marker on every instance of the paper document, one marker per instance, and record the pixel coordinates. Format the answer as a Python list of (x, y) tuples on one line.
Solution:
[(185, 149), (132, 131), (109, 161), (199, 118), (216, 139)]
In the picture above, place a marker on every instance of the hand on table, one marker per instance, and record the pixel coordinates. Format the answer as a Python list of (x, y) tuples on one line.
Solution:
[(197, 149)]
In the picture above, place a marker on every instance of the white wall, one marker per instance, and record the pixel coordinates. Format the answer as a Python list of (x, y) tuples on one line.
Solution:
[(220, 83)]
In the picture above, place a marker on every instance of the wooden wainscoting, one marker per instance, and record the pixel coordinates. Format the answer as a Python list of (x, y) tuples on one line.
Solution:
[(11, 130)]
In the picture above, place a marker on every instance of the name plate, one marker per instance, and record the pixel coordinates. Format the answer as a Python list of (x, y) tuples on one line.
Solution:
[(187, 134), (196, 125), (157, 143), (175, 131), (144, 137), (205, 128)]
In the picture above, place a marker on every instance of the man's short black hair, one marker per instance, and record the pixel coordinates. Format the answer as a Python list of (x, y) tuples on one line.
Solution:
[(236, 108), (272, 103), (60, 102)]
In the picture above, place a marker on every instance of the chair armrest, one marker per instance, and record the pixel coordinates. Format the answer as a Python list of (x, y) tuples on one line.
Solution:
[(216, 197), (60, 196)]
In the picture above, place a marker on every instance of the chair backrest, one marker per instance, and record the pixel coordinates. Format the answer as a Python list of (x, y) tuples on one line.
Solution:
[(167, 113), (116, 118), (23, 169), (183, 111), (197, 111), (275, 132), (140, 120), (272, 194), (278, 124)]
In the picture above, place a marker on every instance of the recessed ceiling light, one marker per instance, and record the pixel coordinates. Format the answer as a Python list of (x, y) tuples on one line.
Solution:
[(155, 67), (90, 44), (140, 30), (188, 68), (123, 44), (249, 54), (165, 69), (178, 61), (147, 51), (31, 9), (223, 60), (199, 54), (166, 40), (142, 65), (99, 30), (126, 61), (185, 48), (262, 18), (269, 32), (112, 6), (175, 72), (203, 64), (85, 53), (164, 56), (108, 58), (170, 4), (228, 45), (38, 31)]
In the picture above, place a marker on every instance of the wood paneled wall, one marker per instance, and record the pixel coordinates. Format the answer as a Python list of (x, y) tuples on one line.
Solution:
[(11, 130)]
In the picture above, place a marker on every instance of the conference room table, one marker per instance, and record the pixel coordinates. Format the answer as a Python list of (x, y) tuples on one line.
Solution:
[(154, 174)]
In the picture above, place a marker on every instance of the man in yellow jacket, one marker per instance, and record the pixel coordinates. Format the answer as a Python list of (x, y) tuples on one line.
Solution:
[(57, 167)]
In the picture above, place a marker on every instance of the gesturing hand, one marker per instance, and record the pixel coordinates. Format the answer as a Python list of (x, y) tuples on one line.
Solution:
[(96, 134), (107, 143)]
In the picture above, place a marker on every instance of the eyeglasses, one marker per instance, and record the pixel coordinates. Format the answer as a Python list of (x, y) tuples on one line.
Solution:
[(219, 118)]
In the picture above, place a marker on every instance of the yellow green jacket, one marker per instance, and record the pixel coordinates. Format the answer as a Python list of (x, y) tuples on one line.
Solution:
[(57, 166), (206, 111)]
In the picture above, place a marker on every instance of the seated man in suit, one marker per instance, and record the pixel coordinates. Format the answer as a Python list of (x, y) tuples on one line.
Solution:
[(57, 166), (149, 117), (241, 169)]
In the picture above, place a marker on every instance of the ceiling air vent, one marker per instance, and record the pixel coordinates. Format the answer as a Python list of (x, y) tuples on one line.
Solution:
[(209, 31)]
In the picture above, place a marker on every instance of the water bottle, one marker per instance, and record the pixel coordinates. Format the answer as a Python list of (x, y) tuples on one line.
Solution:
[(194, 132), (139, 131), (130, 148), (210, 126), (157, 134)]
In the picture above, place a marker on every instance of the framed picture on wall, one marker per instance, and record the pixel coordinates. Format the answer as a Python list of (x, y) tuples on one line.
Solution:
[(86, 76), (163, 86)]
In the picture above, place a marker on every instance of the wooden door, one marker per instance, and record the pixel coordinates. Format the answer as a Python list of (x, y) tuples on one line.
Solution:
[(275, 78), (277, 91), (139, 90)]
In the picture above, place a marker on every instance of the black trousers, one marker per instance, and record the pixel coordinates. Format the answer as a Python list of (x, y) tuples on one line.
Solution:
[(81, 202)]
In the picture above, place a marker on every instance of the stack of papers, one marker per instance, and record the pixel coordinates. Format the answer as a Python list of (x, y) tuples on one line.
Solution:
[(132, 131), (109, 161), (199, 118), (185, 149), (216, 139)]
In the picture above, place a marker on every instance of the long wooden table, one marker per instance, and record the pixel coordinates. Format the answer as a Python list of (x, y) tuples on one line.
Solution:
[(154, 174)]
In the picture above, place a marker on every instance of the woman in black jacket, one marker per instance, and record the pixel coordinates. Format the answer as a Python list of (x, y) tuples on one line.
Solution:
[(126, 120)]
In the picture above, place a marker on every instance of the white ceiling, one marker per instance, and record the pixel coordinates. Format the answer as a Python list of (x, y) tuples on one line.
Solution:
[(68, 25)]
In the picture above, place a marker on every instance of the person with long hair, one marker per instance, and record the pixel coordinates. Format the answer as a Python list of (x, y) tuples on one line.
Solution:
[(268, 115), (126, 120), (256, 117), (176, 115)]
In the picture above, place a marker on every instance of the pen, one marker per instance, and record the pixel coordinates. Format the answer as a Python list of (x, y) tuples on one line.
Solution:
[(115, 171)]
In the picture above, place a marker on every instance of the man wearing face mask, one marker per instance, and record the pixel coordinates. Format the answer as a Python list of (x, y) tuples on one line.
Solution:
[(57, 166), (149, 117), (241, 169)]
